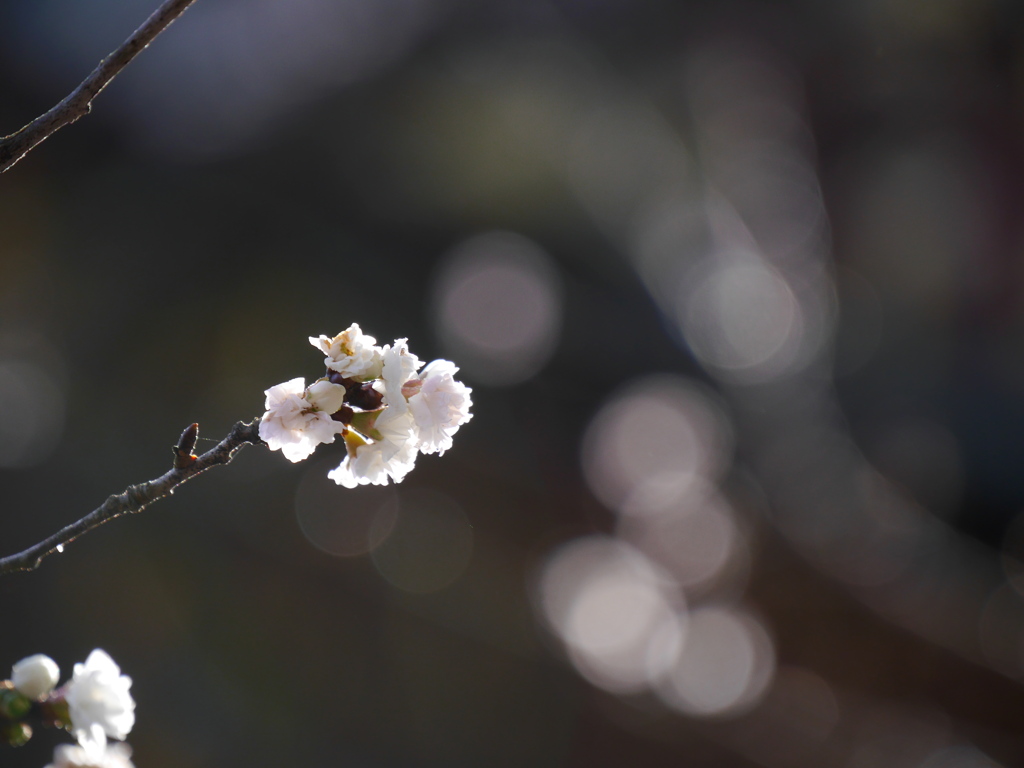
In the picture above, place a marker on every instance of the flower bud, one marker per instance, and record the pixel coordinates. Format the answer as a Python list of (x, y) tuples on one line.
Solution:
[(365, 397), (325, 396), (14, 705), (15, 734), (35, 676)]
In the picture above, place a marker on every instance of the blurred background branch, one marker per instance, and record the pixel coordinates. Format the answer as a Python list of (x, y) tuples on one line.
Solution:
[(79, 102)]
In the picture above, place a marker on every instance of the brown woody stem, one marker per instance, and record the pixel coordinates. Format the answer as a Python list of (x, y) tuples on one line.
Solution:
[(79, 102), (135, 498)]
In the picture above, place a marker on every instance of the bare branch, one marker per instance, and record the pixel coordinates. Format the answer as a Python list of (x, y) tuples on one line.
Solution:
[(137, 497), (79, 102)]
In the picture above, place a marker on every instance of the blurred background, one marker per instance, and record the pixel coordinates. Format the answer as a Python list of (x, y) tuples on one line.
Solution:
[(737, 286)]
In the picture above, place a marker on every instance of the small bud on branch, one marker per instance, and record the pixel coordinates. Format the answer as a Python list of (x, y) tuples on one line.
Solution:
[(183, 455)]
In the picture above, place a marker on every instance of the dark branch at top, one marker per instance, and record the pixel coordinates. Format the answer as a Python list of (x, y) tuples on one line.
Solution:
[(79, 102), (137, 497)]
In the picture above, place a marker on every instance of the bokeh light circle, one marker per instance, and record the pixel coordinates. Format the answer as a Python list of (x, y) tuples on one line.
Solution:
[(743, 320), (498, 307), (655, 438), (430, 546), (340, 521), (725, 666), (620, 617), (693, 535)]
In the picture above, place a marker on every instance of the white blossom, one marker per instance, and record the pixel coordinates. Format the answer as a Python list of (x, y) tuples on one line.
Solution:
[(35, 676), (392, 456), (364, 465), (399, 367), (99, 703), (440, 405), (73, 756), (351, 353), (298, 420), (397, 432)]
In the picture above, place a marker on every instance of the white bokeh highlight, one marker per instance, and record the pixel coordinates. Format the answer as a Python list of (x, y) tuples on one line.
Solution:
[(744, 321), (726, 664), (621, 618), (498, 307), (654, 439)]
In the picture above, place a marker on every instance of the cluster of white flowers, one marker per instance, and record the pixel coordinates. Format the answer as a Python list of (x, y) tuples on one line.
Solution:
[(97, 701), (385, 403)]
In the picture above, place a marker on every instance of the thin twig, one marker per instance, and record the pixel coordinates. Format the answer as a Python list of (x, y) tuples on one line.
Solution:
[(137, 497), (79, 102)]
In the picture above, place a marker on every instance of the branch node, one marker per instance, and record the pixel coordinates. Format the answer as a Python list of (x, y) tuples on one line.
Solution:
[(136, 496)]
